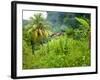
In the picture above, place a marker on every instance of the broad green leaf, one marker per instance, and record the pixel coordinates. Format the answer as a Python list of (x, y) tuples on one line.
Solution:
[(83, 22)]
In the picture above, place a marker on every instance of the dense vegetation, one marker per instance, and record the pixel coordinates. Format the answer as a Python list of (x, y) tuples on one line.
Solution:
[(44, 47)]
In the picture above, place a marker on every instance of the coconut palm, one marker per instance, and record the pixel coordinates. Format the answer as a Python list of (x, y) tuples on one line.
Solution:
[(39, 29)]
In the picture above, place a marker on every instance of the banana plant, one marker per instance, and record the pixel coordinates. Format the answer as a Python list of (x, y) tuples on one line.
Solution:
[(86, 25)]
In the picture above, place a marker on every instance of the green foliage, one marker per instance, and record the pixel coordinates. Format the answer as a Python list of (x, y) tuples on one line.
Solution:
[(69, 49), (81, 32), (60, 52), (27, 56), (83, 22), (70, 32)]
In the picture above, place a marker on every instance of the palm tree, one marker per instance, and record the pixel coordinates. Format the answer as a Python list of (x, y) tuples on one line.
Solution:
[(39, 29)]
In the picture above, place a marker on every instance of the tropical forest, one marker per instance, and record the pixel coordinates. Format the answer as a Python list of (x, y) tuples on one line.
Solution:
[(56, 40)]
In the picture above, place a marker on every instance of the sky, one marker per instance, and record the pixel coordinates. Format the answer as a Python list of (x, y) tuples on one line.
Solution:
[(28, 14)]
